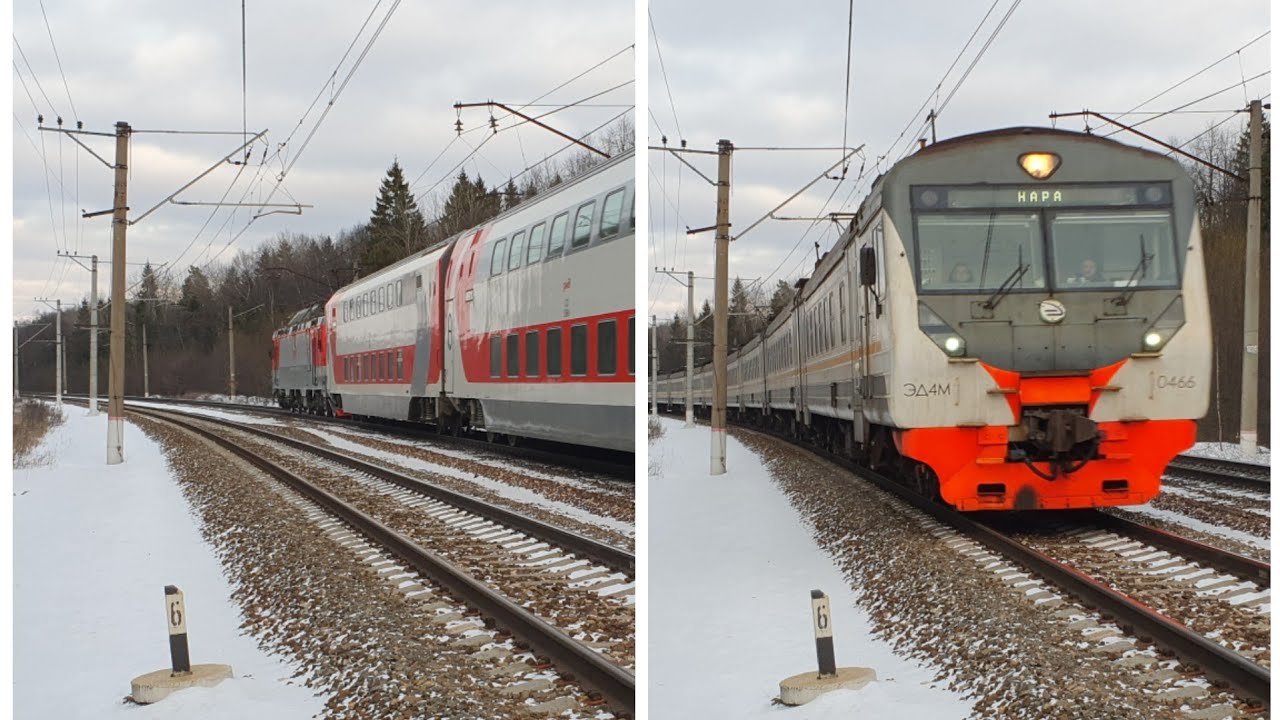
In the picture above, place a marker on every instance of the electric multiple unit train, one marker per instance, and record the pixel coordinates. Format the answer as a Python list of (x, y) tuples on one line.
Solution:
[(523, 327), (1016, 319)]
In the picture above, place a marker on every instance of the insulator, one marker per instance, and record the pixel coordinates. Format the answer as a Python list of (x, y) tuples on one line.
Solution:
[(664, 139), (40, 118), (79, 124), (59, 121), (457, 126)]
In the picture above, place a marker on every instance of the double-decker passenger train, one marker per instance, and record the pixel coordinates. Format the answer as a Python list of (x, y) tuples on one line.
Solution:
[(523, 327), (1016, 319)]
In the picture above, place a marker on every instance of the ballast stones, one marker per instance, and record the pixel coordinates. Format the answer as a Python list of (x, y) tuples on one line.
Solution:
[(806, 687)]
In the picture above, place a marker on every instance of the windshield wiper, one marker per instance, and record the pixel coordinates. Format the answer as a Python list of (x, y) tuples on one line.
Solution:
[(1007, 286), (1127, 294)]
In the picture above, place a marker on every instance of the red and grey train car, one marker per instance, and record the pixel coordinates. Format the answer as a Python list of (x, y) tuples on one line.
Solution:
[(523, 327), (1017, 319), (299, 363)]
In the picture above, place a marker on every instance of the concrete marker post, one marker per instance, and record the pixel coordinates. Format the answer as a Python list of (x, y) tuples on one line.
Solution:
[(176, 613), (805, 687), (156, 686), (822, 634)]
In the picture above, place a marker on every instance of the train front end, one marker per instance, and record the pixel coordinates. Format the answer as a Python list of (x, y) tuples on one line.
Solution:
[(1052, 349)]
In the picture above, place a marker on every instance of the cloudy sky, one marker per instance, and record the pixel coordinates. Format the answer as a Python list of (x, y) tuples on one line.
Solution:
[(177, 66), (760, 74)]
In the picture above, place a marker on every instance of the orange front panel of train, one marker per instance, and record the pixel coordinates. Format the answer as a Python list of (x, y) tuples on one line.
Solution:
[(974, 475)]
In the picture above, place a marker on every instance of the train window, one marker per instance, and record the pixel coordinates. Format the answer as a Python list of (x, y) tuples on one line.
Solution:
[(513, 355), (532, 354), (400, 292), (517, 250), (633, 211), (495, 356), (382, 300), (631, 346), (1110, 248), (607, 347), (499, 257), (400, 366), (554, 347), (578, 350), (537, 238), (611, 215), (558, 228), (582, 224), (969, 252), (843, 332)]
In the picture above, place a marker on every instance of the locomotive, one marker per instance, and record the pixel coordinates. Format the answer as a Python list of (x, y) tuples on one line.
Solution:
[(1014, 320), (523, 327)]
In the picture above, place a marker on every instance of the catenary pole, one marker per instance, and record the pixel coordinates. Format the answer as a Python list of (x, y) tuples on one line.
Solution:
[(688, 358), (653, 367), (720, 397), (146, 376), (93, 340), (1253, 241), (119, 225), (231, 349), (58, 352), (17, 388)]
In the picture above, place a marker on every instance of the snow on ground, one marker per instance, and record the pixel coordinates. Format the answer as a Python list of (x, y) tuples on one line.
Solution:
[(1229, 451), (1178, 518), (248, 418), (731, 565), (94, 546), (510, 492)]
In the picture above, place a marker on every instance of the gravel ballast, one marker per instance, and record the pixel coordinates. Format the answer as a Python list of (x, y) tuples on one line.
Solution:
[(1022, 648)]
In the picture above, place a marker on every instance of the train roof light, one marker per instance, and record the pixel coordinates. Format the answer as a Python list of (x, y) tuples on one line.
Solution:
[(1039, 165)]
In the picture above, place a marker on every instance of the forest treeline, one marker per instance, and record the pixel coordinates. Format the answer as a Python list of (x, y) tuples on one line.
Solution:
[(1222, 201), (184, 312)]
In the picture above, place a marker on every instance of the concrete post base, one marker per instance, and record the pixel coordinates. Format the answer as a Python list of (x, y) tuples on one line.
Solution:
[(803, 688), (156, 686)]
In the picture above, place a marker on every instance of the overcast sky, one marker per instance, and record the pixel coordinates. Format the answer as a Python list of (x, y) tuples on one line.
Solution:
[(177, 65), (763, 74)]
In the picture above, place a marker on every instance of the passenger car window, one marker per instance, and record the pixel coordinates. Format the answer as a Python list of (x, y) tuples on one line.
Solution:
[(578, 350), (611, 215), (517, 250), (582, 224), (554, 348), (499, 257), (537, 237), (558, 227), (607, 347)]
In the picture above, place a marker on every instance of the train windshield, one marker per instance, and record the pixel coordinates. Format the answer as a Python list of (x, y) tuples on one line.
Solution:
[(1113, 249), (980, 252), (1073, 236)]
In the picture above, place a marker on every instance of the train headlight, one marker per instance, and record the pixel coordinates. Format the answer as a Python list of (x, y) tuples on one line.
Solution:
[(1160, 332), (942, 334), (1039, 165)]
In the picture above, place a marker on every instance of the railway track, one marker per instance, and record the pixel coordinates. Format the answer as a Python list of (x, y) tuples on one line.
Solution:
[(565, 456), (576, 660), (1217, 662), (1250, 475)]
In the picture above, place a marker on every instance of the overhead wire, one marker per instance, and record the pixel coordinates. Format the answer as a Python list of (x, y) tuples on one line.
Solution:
[(1190, 77), (52, 108), (665, 81), (75, 115), (848, 81)]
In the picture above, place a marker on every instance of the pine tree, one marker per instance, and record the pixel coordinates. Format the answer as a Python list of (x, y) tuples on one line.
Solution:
[(396, 227), (511, 195)]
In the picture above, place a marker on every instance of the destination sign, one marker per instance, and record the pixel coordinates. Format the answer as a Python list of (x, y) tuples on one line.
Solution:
[(960, 197)]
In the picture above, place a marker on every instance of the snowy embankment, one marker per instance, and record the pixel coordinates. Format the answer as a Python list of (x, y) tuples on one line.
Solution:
[(94, 546), (731, 564), (1229, 451)]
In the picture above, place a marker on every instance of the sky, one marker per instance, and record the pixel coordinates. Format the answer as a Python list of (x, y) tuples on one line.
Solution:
[(761, 77), (178, 66)]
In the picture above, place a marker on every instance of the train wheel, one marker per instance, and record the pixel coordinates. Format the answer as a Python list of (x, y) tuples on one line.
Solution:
[(512, 440)]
